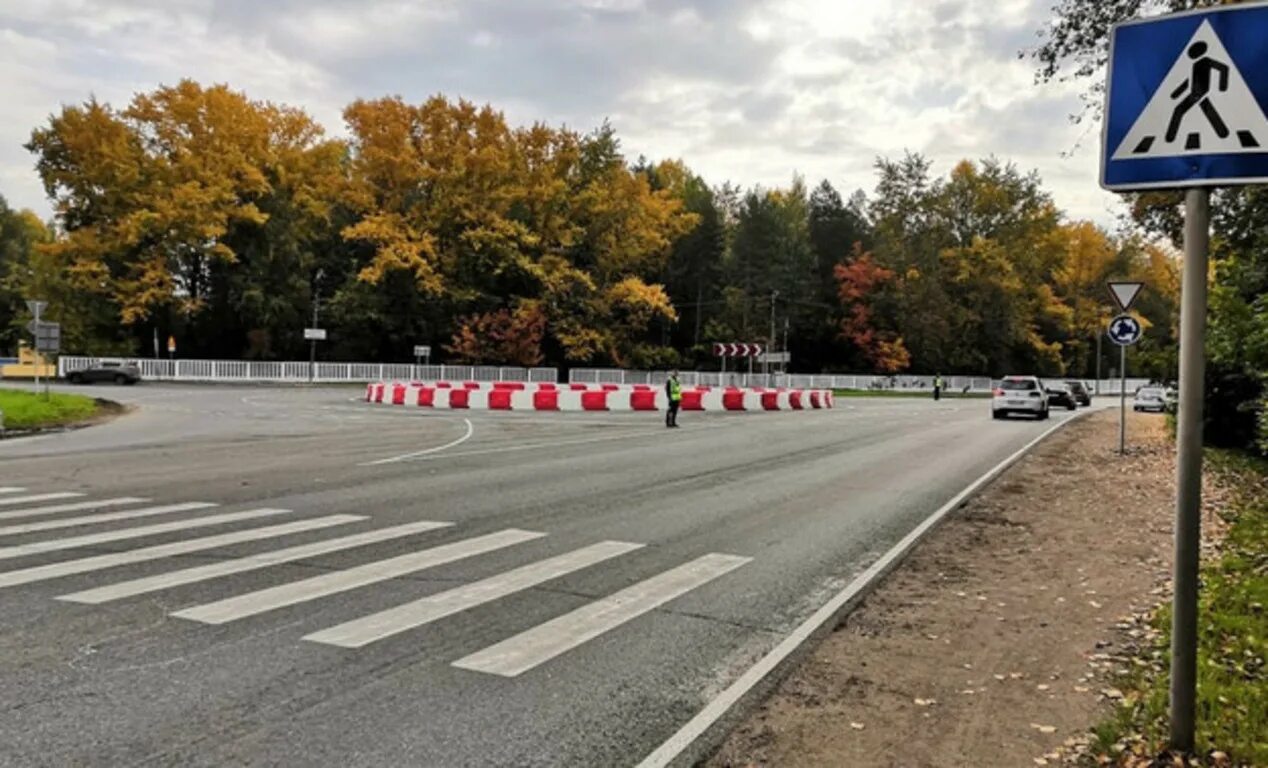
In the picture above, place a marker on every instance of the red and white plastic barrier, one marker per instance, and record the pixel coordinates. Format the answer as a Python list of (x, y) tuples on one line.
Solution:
[(518, 396)]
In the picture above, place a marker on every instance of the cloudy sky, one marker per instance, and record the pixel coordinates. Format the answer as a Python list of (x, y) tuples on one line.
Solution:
[(750, 91)]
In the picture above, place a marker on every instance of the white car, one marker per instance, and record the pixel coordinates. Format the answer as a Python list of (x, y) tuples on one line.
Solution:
[(1019, 394), (1150, 399)]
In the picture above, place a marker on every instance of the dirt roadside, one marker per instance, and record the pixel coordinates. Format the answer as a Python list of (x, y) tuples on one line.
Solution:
[(993, 644)]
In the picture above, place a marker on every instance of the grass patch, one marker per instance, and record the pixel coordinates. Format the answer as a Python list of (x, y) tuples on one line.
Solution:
[(1232, 643), (25, 410), (907, 393)]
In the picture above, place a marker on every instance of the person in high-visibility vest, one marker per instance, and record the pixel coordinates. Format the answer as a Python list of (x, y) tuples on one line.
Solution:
[(673, 392), (937, 387)]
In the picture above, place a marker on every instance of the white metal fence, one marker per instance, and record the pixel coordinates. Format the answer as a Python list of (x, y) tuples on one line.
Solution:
[(815, 381), (250, 371)]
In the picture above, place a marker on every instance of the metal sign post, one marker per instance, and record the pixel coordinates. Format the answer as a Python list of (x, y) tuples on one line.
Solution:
[(1184, 619), (1124, 331), (36, 307), (1184, 109)]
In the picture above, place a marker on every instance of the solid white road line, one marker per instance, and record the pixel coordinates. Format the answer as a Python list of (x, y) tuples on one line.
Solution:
[(40, 497), (244, 564), (264, 600), (134, 533), (675, 745), (546, 641), (160, 551), (13, 514), (11, 489), (71, 522), (369, 629), (428, 451)]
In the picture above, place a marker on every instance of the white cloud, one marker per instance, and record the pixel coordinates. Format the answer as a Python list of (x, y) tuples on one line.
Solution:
[(744, 90)]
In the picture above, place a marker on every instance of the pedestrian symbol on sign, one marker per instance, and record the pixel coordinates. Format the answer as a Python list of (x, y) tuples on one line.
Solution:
[(1203, 106)]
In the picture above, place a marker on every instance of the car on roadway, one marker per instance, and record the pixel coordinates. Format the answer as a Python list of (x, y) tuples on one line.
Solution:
[(106, 372), (1172, 398), (1150, 399), (1080, 391), (1059, 395), (1019, 394)]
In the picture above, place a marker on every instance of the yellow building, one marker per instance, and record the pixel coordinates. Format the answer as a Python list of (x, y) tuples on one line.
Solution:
[(29, 364)]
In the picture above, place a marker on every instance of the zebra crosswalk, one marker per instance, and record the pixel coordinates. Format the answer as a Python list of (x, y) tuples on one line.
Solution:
[(509, 657)]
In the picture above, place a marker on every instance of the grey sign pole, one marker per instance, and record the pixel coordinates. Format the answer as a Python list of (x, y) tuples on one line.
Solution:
[(1122, 400), (1184, 621), (36, 306)]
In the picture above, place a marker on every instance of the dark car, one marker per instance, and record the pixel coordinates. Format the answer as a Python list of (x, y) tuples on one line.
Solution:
[(1079, 390), (106, 371), (1059, 395)]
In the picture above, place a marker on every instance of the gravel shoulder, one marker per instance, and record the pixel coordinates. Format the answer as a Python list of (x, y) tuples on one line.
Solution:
[(995, 642)]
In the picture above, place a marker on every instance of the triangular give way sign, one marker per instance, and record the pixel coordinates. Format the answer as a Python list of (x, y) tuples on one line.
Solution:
[(1125, 293)]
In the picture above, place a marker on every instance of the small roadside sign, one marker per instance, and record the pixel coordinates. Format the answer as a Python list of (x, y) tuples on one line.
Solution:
[(48, 337), (314, 334), (1124, 293), (775, 357), (1185, 100), (422, 350), (1125, 330), (36, 307)]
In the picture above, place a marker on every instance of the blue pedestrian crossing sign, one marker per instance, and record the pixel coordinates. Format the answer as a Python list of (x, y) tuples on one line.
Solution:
[(1185, 100), (1124, 330)]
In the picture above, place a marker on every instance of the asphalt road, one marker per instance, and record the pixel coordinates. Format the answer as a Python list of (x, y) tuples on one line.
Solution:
[(591, 580)]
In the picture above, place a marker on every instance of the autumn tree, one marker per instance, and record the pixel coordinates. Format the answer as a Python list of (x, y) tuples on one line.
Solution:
[(161, 203)]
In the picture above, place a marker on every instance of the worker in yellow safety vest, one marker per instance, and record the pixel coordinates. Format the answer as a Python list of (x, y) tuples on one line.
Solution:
[(673, 391)]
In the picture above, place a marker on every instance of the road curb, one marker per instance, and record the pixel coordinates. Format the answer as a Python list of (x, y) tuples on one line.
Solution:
[(701, 736)]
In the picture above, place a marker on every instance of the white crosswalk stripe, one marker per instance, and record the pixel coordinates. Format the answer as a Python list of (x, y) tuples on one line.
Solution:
[(544, 642), (160, 551), (244, 564), (134, 533), (111, 517), (14, 514), (9, 502), (363, 631), (273, 598)]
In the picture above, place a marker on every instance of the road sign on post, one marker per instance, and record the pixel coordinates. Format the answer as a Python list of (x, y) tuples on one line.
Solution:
[(1124, 292), (1185, 108), (314, 334), (48, 337)]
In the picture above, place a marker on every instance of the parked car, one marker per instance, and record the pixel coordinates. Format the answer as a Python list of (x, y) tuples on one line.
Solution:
[(106, 371), (1171, 396), (1019, 394), (1081, 394), (1150, 399), (1059, 395)]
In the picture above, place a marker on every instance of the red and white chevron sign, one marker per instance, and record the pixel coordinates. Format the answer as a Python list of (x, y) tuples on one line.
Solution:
[(737, 350)]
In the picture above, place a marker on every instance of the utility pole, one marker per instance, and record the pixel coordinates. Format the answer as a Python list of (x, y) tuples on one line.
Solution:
[(784, 365), (770, 340), (1099, 332), (312, 343)]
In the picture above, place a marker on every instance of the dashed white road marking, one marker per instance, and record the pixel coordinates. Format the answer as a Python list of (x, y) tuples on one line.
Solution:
[(426, 452), (111, 517), (11, 489), (9, 502), (160, 551), (544, 642), (75, 507), (264, 600), (377, 626), (134, 533), (244, 564)]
